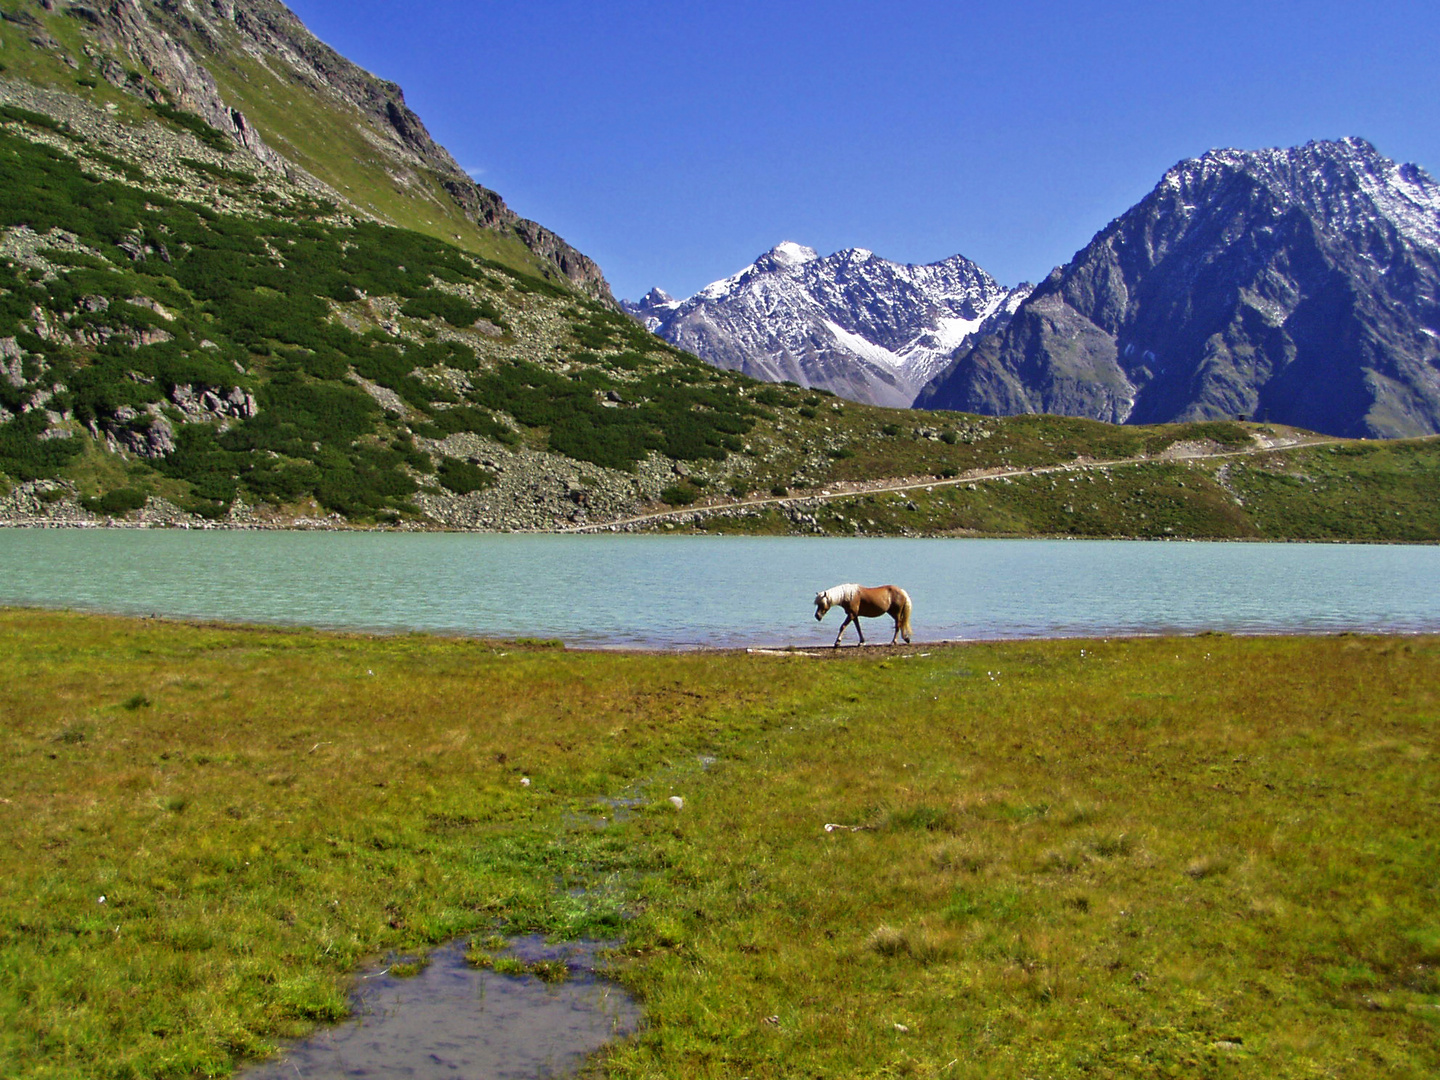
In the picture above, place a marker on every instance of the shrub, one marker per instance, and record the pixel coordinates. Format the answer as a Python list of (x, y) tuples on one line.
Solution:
[(25, 456), (455, 310), (463, 477), (679, 495), (217, 171), (34, 119), (118, 501)]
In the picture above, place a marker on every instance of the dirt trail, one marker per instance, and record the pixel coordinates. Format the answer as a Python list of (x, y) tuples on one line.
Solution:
[(849, 490)]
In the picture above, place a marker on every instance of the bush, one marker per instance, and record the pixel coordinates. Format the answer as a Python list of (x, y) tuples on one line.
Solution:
[(679, 495), (25, 456), (118, 501), (455, 310), (463, 477)]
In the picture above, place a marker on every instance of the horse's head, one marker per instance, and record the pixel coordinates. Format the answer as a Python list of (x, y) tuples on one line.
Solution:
[(822, 605)]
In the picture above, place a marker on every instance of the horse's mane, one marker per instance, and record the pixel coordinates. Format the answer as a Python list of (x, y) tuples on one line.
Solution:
[(840, 594)]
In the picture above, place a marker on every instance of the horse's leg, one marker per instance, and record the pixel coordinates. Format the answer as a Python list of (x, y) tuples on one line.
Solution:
[(848, 618), (858, 630), (896, 636)]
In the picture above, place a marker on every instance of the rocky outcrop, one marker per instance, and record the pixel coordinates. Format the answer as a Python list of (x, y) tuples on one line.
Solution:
[(144, 433), (200, 404), (1297, 286)]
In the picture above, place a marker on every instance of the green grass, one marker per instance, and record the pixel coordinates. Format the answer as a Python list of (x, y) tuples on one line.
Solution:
[(328, 142), (1148, 858), (1371, 490)]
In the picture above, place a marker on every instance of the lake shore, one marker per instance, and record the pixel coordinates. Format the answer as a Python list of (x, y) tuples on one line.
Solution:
[(1349, 490)]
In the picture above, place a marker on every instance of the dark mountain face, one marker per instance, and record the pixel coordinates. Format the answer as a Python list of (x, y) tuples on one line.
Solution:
[(1298, 286)]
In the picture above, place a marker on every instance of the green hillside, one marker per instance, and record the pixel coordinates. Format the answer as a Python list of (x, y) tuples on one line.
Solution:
[(307, 124), (326, 347)]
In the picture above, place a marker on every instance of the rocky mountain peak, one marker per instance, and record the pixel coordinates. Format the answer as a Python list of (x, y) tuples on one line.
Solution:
[(854, 323), (1299, 285), (785, 255), (1346, 187)]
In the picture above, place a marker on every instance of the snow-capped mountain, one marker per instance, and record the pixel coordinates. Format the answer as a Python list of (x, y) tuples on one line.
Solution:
[(1295, 285), (853, 323)]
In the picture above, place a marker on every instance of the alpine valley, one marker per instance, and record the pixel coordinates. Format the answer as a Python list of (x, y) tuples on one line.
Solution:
[(240, 284)]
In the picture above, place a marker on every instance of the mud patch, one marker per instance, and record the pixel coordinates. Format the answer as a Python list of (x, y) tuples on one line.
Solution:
[(454, 1020)]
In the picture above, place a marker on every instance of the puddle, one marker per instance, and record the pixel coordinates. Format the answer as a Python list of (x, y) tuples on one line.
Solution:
[(619, 811), (456, 1021)]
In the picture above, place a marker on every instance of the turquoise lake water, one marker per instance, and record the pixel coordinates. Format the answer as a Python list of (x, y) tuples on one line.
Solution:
[(685, 592)]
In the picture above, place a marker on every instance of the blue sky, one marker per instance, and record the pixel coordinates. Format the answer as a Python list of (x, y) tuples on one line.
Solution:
[(675, 142)]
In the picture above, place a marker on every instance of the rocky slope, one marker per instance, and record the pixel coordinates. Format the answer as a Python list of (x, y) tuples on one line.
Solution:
[(250, 70), (855, 324), (1299, 286)]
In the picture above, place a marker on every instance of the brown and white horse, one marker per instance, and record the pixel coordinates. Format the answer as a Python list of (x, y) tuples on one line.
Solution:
[(856, 600)]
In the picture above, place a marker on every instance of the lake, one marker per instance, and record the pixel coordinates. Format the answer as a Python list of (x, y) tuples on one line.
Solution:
[(688, 592)]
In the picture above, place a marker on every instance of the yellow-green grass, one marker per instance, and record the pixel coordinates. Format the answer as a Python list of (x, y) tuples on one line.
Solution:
[(1203, 856)]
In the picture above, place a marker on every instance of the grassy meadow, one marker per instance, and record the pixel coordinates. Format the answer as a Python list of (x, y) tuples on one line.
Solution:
[(1201, 856)]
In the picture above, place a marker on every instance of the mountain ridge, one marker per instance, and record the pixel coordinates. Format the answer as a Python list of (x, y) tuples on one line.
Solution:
[(1299, 285), (228, 61), (853, 323)]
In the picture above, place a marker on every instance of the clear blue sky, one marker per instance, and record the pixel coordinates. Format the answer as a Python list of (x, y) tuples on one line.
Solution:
[(675, 142)]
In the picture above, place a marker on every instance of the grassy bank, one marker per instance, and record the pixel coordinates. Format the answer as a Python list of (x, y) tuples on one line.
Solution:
[(1359, 490), (1162, 857)]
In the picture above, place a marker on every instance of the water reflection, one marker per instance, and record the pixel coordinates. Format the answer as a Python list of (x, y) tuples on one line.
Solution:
[(454, 1020)]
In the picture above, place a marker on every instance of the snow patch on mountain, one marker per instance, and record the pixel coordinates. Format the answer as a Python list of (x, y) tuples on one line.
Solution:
[(853, 323)]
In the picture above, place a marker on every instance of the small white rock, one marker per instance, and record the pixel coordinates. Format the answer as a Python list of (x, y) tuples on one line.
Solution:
[(677, 802), (524, 781)]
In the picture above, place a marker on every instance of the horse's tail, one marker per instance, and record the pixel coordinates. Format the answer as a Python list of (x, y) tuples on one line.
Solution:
[(904, 619)]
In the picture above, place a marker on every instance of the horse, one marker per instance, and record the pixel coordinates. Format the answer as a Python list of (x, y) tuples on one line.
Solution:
[(856, 600)]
